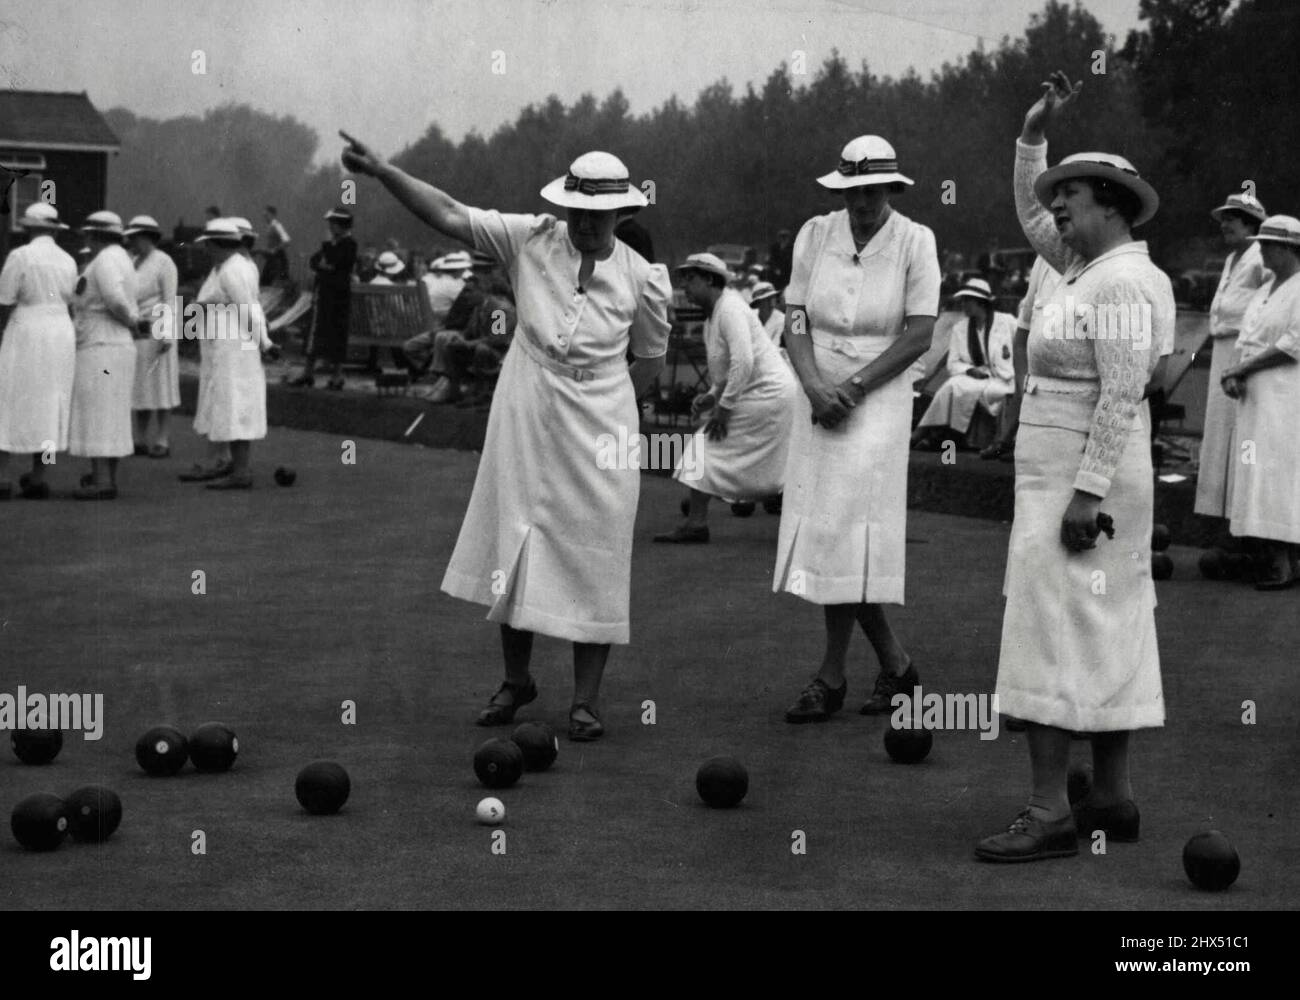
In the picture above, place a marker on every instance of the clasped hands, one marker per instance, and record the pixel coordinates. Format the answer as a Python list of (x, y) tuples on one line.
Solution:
[(831, 403)]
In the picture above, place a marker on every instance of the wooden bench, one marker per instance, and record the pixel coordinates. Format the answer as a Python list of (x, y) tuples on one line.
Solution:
[(388, 315)]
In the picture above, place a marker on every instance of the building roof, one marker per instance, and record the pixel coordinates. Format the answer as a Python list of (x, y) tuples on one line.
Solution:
[(37, 119)]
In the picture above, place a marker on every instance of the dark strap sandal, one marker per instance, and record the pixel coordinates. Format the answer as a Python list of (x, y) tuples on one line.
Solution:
[(498, 713)]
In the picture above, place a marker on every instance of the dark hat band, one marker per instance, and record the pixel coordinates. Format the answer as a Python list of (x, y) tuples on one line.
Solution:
[(867, 165), (1278, 231), (596, 185)]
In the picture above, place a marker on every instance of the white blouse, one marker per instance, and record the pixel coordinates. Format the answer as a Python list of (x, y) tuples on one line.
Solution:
[(739, 350), (866, 294), (38, 274), (1272, 320)]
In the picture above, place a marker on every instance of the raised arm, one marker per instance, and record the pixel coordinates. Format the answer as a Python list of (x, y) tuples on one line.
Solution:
[(1031, 160), (426, 202)]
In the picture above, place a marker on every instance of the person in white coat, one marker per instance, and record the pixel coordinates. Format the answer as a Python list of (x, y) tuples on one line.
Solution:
[(763, 299), (1239, 218), (547, 540), (234, 408), (860, 310), (1265, 384), (38, 350), (740, 453), (106, 321), (981, 372), (1076, 657), (157, 389)]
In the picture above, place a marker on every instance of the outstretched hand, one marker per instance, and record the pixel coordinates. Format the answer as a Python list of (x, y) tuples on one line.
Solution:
[(1057, 93), (358, 157)]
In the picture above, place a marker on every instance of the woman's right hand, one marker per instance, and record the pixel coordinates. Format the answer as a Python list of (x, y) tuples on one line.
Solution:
[(1057, 92), (830, 404), (358, 157)]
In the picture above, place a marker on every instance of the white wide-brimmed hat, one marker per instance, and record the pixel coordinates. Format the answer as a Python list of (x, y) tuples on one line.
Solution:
[(453, 263), (975, 288), (220, 229), (1246, 204), (40, 215), (705, 263), (390, 263), (142, 224), (244, 226), (596, 181), (763, 290), (1279, 229), (867, 160), (1106, 166), (103, 222), (340, 215)]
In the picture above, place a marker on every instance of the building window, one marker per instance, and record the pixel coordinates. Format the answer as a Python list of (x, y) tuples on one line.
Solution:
[(20, 179)]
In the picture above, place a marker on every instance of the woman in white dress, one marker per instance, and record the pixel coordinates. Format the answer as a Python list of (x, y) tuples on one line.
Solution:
[(860, 310), (1239, 218), (234, 407), (1079, 638), (106, 318), (547, 540), (981, 372), (1265, 383), (740, 453), (157, 388), (38, 352)]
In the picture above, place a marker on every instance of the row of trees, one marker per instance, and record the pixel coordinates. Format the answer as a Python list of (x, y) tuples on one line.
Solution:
[(1200, 99)]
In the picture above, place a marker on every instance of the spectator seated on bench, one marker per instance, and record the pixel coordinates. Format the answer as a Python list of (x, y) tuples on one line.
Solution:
[(465, 356), (387, 314)]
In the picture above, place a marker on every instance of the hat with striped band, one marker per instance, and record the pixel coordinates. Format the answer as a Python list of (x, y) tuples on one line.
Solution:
[(1104, 166), (867, 160), (596, 181), (1279, 229)]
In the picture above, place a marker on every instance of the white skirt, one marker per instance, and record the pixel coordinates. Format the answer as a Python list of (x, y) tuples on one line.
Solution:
[(157, 376), (1079, 635), (1266, 492), (844, 516), (100, 424), (38, 362), (546, 542), (749, 463), (955, 401), (233, 407), (1217, 470)]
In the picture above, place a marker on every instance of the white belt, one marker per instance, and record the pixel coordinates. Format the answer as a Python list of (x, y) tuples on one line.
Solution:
[(583, 373), (1062, 386)]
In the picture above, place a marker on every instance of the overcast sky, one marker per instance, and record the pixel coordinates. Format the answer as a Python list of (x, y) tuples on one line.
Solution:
[(384, 69)]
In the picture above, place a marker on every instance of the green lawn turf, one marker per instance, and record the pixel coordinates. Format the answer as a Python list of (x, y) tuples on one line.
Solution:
[(328, 591)]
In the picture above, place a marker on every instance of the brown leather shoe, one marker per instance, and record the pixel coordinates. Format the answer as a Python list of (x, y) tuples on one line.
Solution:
[(581, 731), (686, 534), (817, 702), (500, 713), (1031, 839)]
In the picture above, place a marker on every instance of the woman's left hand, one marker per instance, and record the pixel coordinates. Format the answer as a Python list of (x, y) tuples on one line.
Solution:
[(1079, 528), (716, 428)]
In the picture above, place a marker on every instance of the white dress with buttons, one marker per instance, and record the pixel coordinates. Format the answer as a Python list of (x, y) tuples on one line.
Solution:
[(546, 542), (845, 508), (233, 407), (157, 372)]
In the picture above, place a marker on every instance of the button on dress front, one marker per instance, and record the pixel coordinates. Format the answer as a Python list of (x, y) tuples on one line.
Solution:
[(546, 542)]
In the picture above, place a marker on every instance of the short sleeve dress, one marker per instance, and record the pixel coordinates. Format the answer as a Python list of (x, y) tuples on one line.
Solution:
[(1266, 493), (845, 508), (38, 354), (157, 372), (546, 542), (234, 405)]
